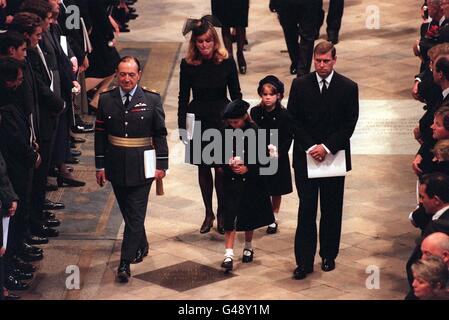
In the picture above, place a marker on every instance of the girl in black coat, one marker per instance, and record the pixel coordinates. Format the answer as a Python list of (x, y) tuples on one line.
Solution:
[(271, 115), (246, 200)]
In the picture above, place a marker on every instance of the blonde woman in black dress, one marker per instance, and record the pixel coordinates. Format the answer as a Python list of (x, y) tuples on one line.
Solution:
[(208, 73)]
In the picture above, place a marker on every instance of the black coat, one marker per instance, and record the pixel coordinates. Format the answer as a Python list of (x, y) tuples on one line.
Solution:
[(330, 120), (278, 119), (231, 13), (125, 166), (247, 204), (7, 194)]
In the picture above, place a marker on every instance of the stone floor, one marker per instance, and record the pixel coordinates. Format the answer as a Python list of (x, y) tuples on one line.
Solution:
[(380, 191)]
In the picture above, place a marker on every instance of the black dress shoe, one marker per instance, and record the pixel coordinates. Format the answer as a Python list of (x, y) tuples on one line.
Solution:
[(332, 36), (227, 264), (47, 215), (23, 266), (11, 296), (75, 153), (77, 140), (51, 187), (72, 161), (69, 182), (82, 129), (50, 205), (44, 231), (31, 249), (31, 257), (272, 230), (293, 69), (52, 223), (124, 271), (328, 264), (20, 275), (247, 256), (301, 272), (141, 253), (207, 224), (37, 240), (12, 283)]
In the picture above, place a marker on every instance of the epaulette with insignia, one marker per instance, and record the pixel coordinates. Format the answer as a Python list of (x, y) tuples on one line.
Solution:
[(108, 90), (151, 90)]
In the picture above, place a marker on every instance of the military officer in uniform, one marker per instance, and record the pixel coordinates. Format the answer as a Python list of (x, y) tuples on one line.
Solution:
[(130, 120)]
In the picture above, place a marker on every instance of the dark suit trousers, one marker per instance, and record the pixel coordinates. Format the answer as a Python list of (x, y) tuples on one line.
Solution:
[(133, 203), (331, 192), (300, 21), (335, 15)]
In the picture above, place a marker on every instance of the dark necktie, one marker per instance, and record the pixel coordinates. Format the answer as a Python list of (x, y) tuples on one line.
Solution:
[(128, 100), (324, 88)]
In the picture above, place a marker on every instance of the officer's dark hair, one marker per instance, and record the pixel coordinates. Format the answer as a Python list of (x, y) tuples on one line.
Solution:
[(25, 22), (324, 47), (38, 7), (442, 65), (437, 185), (128, 59), (444, 113), (10, 39), (9, 70)]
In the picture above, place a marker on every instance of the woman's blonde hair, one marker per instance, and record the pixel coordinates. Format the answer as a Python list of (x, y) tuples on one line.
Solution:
[(442, 148), (193, 54)]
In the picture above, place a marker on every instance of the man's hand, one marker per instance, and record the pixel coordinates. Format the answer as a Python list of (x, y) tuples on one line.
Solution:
[(76, 90), (417, 134), (9, 19), (85, 64), (74, 62), (2, 3), (12, 209), (2, 253), (101, 177), (159, 174), (318, 153), (416, 163), (415, 93), (38, 161)]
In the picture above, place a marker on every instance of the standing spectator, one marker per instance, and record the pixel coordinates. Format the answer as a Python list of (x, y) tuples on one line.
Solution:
[(430, 279), (333, 20)]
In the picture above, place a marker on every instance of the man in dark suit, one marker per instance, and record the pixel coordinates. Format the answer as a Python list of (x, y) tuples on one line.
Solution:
[(130, 120), (434, 197), (325, 107)]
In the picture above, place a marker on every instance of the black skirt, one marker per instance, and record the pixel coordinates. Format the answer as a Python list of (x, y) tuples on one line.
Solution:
[(231, 13)]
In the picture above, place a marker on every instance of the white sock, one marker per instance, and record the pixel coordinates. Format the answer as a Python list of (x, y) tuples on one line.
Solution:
[(248, 245), (229, 253), (273, 225)]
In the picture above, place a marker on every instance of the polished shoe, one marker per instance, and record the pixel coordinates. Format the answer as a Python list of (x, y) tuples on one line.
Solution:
[(272, 230), (75, 153), (50, 205), (332, 36), (69, 182), (51, 187), (241, 62), (31, 257), (52, 223), (227, 264), (82, 129), (47, 215), (207, 224), (23, 266), (44, 231), (8, 296), (27, 248), (301, 272), (20, 275), (12, 283), (327, 264), (36, 240), (293, 69), (248, 255), (141, 253), (123, 272), (72, 161), (77, 140)]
